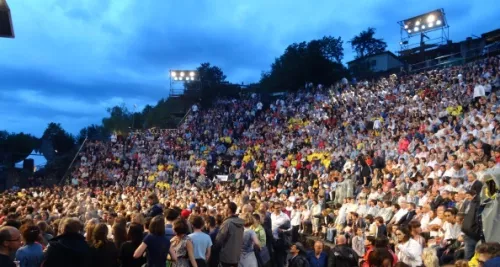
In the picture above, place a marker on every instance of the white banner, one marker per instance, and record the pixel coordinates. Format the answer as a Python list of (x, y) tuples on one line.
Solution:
[(223, 178)]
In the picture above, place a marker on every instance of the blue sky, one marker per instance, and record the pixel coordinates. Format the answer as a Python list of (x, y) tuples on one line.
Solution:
[(71, 59)]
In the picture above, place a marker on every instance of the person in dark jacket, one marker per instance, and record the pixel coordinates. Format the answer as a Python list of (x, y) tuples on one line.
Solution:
[(229, 240), (298, 253), (470, 225), (342, 255), (381, 227), (103, 252), (406, 219), (155, 208), (134, 239), (69, 248)]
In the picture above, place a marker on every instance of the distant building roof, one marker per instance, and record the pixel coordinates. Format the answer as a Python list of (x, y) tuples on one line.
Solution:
[(374, 55)]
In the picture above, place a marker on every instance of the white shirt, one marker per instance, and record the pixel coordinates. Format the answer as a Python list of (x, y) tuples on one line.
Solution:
[(399, 215), (410, 253), (436, 221), (451, 231), (277, 221), (295, 220), (424, 222), (479, 91)]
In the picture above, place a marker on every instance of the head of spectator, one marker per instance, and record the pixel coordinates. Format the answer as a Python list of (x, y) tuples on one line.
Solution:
[(487, 251), (10, 240), (135, 233), (197, 222), (157, 226), (230, 209), (341, 240), (30, 233), (119, 232), (369, 242), (100, 235), (318, 247), (153, 199), (297, 249), (277, 208), (181, 227), (403, 234)]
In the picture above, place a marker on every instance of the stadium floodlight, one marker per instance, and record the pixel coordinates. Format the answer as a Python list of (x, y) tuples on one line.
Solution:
[(431, 18), (6, 27), (183, 75), (409, 31), (429, 21)]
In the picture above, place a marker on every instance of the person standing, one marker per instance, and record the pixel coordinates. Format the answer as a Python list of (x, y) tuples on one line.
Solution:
[(342, 255), (134, 239), (250, 240), (202, 243), (298, 253), (31, 254), (317, 257), (155, 208), (295, 220), (281, 228), (182, 245), (408, 250), (157, 245), (103, 252), (229, 240), (470, 225), (10, 241), (69, 248)]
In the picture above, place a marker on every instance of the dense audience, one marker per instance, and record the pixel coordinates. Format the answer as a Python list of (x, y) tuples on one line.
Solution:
[(394, 172)]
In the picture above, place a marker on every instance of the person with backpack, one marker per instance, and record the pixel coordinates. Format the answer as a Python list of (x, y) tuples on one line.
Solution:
[(342, 255)]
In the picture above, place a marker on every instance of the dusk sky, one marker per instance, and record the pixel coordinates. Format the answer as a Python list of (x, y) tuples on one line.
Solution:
[(71, 59)]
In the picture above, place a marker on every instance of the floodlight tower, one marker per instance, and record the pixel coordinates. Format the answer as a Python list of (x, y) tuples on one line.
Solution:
[(6, 27), (182, 77), (420, 25)]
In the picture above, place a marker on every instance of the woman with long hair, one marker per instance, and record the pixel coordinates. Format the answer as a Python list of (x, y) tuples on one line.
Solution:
[(134, 239), (103, 252), (182, 245), (408, 250), (119, 234), (89, 230), (156, 243)]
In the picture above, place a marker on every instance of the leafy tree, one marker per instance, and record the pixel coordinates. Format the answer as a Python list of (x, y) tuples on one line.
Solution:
[(15, 147), (317, 61), (365, 44), (93, 132), (212, 84), (119, 120), (61, 141)]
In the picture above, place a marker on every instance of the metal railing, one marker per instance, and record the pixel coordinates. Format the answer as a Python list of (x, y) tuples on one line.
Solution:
[(455, 58)]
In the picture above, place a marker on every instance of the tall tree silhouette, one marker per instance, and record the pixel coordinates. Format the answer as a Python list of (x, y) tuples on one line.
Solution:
[(365, 44)]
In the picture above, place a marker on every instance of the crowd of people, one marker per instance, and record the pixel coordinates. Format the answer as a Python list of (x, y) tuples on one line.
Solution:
[(402, 171)]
